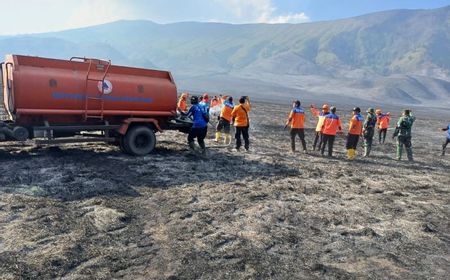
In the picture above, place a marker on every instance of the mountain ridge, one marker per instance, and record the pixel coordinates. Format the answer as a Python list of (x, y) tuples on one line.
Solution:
[(363, 53)]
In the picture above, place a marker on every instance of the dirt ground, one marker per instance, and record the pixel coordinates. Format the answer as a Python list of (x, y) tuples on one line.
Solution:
[(86, 211)]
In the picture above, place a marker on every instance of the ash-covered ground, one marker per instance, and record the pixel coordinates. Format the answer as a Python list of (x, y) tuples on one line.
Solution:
[(86, 211)]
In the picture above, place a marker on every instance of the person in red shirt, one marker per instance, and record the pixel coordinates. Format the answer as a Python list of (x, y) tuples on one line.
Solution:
[(331, 126), (354, 132), (296, 120)]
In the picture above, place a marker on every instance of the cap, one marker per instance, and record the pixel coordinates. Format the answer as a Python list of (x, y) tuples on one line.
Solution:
[(194, 99)]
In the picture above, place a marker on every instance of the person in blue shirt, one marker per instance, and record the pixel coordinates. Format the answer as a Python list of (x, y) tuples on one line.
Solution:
[(199, 127), (447, 140)]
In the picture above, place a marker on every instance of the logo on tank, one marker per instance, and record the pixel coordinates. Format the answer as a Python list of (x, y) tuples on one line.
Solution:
[(105, 87)]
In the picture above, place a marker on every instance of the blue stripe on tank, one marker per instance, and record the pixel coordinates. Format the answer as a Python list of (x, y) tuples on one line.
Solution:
[(80, 96)]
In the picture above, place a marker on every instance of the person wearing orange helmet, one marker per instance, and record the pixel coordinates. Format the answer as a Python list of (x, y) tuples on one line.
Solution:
[(383, 125), (182, 102), (296, 120), (331, 126), (321, 117)]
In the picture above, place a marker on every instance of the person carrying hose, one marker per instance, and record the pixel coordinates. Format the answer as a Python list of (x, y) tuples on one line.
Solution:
[(383, 125), (447, 140), (241, 122), (403, 134), (354, 132), (369, 130), (224, 121), (331, 125), (321, 117), (199, 127), (296, 120)]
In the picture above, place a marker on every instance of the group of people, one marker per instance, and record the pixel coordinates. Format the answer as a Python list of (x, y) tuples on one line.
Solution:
[(229, 115), (328, 126)]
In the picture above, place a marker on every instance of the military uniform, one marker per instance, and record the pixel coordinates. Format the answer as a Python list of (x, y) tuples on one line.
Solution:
[(369, 131), (403, 134)]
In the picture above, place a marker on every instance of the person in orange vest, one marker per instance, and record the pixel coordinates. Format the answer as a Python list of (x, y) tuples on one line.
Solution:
[(354, 132), (224, 122), (331, 126), (447, 140), (321, 117), (383, 125), (182, 102), (241, 122), (296, 120)]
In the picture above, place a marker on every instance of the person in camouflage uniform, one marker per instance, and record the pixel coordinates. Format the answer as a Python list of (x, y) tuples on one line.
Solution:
[(369, 130), (403, 134)]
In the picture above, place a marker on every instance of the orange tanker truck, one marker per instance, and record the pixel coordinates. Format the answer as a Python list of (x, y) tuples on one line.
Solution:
[(52, 100)]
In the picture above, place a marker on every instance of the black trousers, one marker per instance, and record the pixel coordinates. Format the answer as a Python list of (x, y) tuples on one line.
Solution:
[(382, 135), (242, 130), (301, 134), (352, 141), (445, 145), (200, 134), (223, 125), (318, 139), (328, 140)]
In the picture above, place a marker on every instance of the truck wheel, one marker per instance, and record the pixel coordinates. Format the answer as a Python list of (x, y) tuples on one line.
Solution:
[(121, 145), (139, 141)]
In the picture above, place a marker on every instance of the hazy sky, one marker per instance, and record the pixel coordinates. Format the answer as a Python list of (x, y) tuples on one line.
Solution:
[(33, 16)]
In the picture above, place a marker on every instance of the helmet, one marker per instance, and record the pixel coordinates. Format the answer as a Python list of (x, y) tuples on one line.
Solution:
[(378, 111), (371, 110), (333, 109), (357, 109), (194, 100), (325, 107)]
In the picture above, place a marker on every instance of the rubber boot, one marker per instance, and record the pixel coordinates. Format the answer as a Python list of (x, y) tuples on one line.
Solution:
[(192, 146), (353, 154), (218, 136), (409, 153), (349, 154), (366, 151), (399, 152), (227, 139)]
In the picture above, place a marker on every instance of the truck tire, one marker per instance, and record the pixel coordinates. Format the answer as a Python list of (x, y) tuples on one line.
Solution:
[(139, 141)]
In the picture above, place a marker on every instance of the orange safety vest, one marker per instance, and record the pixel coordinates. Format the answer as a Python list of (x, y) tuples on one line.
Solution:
[(296, 118), (356, 125), (331, 124), (240, 115), (226, 111), (182, 105), (383, 120)]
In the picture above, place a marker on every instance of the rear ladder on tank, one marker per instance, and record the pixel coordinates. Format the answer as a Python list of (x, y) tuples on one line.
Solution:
[(91, 76)]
